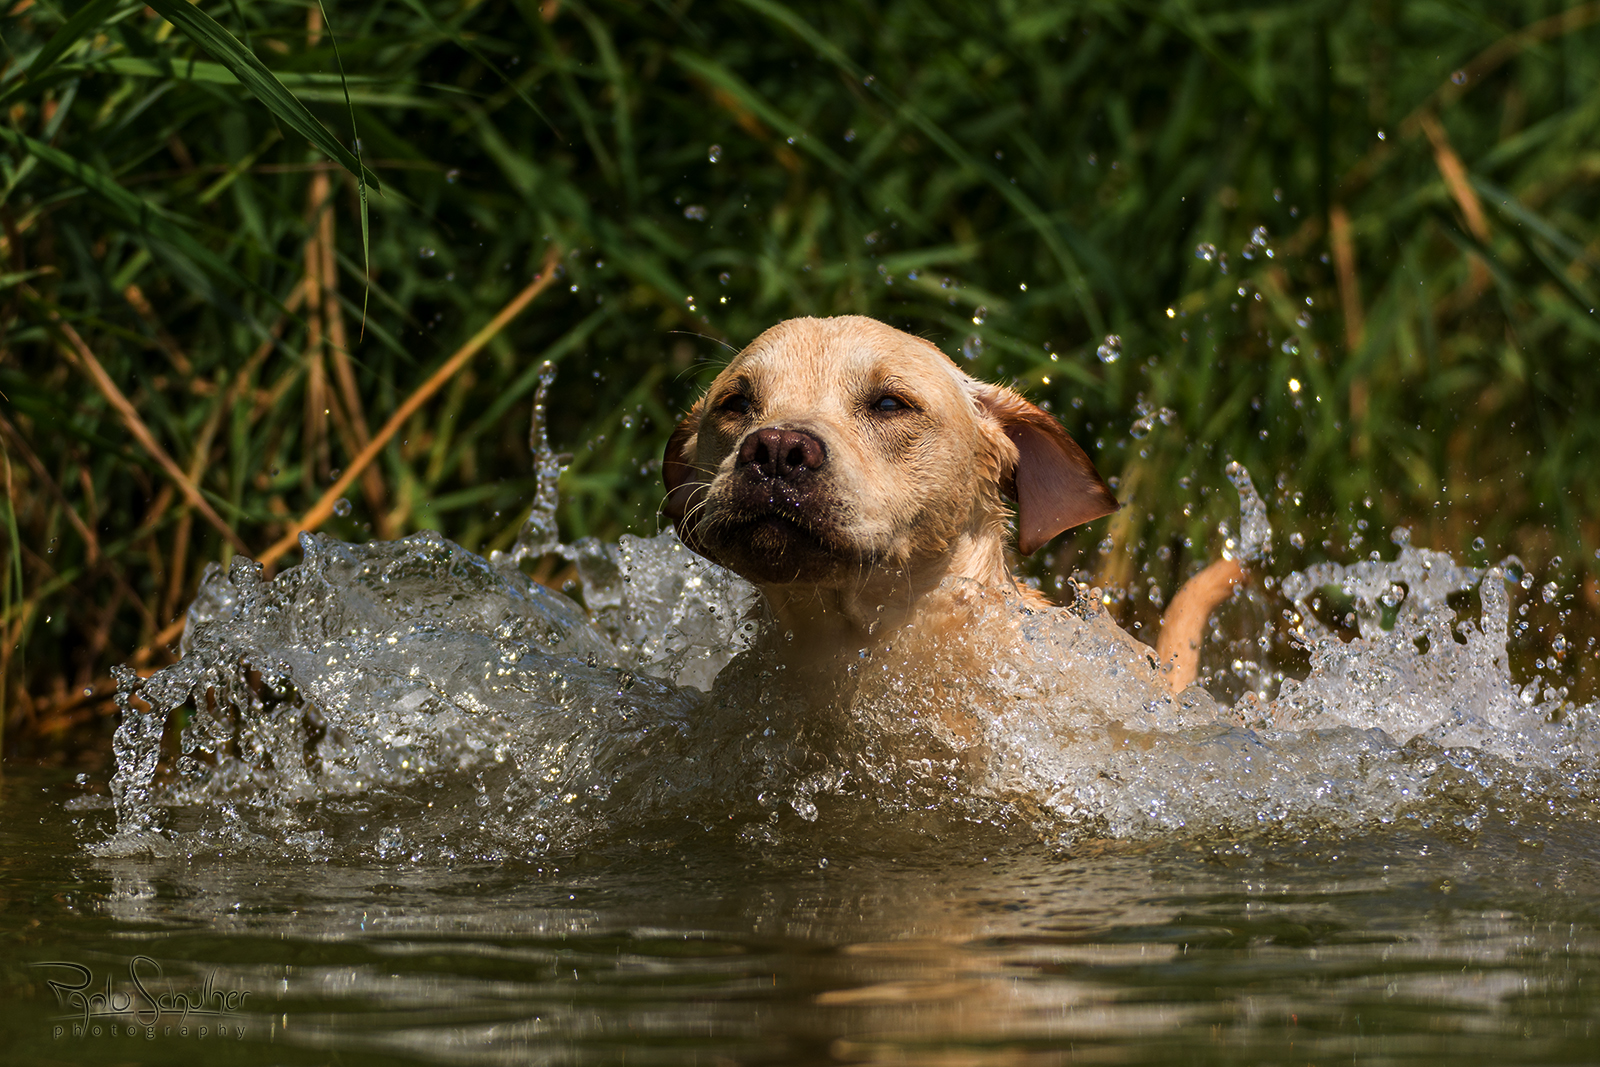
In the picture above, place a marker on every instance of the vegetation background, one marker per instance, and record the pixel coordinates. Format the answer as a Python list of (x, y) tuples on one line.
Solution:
[(1352, 245)]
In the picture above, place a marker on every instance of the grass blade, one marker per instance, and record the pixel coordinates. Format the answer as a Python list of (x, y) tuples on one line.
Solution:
[(226, 49)]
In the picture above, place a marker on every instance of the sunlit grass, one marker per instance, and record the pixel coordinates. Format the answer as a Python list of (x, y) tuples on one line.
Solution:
[(1410, 339)]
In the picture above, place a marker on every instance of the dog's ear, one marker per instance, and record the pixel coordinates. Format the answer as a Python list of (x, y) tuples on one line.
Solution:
[(1055, 486), (677, 464)]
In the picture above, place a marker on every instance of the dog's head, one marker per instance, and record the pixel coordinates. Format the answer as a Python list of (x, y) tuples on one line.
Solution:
[(830, 446)]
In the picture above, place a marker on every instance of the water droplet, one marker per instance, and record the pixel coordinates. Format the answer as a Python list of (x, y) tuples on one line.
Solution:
[(695, 212), (425, 252), (722, 279), (714, 153), (1477, 544), (1459, 77), (341, 507), (1549, 592), (972, 347), (452, 174), (1110, 349), (1259, 242), (849, 135), (868, 80), (979, 313), (1206, 250)]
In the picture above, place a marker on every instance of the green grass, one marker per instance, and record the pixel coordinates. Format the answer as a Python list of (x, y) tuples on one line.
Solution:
[(1015, 181)]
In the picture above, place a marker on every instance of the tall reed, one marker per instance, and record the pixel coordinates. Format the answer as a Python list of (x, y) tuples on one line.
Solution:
[(1353, 246)]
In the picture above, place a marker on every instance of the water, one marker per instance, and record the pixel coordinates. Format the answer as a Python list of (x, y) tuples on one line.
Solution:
[(417, 805), (949, 945)]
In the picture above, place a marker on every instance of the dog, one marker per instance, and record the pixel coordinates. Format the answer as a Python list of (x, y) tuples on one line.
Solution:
[(864, 484)]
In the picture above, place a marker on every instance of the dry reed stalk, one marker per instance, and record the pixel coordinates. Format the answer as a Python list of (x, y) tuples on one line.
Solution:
[(318, 402), (1455, 177), (78, 353), (319, 512), (372, 486), (317, 462), (1344, 260), (1470, 74), (1486, 61), (1454, 174)]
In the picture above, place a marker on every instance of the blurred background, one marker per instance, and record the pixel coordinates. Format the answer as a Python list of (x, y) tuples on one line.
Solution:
[(1353, 246)]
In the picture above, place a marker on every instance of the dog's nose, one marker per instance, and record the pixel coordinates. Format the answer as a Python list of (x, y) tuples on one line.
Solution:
[(782, 454)]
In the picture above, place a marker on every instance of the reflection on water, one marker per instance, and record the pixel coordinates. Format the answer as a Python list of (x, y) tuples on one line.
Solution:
[(899, 946)]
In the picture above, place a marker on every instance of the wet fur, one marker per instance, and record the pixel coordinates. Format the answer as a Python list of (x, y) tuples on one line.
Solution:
[(886, 539)]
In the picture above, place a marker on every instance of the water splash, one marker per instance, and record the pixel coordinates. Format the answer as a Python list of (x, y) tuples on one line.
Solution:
[(1255, 531), (410, 701), (540, 535)]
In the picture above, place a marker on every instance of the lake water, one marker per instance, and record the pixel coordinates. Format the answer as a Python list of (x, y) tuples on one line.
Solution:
[(855, 939)]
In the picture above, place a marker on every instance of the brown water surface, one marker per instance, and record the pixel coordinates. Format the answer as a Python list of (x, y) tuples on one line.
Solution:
[(854, 940)]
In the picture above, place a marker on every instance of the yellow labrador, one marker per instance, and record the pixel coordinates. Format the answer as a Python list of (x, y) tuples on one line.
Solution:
[(860, 480)]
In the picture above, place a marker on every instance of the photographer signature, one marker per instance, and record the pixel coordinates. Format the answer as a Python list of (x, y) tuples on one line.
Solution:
[(136, 998)]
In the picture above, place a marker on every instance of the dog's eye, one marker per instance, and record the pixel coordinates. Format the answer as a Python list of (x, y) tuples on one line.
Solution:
[(737, 403), (890, 402)]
